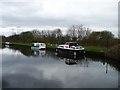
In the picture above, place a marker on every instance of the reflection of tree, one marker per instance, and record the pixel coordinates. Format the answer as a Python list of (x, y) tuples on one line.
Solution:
[(2, 46), (82, 61), (106, 68), (23, 49), (107, 61)]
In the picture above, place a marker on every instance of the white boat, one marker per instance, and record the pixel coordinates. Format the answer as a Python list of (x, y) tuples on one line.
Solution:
[(71, 48), (38, 46), (8, 43)]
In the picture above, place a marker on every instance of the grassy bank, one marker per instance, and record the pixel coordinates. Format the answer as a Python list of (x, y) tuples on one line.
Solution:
[(90, 50), (23, 44), (53, 46), (114, 52), (29, 44), (94, 49)]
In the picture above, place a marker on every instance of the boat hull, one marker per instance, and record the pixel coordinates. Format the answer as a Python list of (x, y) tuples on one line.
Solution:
[(70, 52)]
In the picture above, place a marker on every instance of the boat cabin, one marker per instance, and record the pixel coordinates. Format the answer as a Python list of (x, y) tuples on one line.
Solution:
[(8, 43), (71, 44), (38, 46)]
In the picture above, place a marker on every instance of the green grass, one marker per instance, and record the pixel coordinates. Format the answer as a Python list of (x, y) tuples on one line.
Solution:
[(20, 43), (51, 46), (29, 44), (87, 48), (94, 49)]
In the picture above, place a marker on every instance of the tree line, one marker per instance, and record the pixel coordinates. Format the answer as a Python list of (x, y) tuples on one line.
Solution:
[(78, 33)]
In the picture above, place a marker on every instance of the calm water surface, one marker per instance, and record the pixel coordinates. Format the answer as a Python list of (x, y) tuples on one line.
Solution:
[(23, 68)]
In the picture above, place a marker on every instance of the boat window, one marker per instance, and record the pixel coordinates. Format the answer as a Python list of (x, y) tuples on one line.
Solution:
[(42, 44), (37, 45), (78, 47), (72, 47), (32, 44), (73, 44), (61, 46)]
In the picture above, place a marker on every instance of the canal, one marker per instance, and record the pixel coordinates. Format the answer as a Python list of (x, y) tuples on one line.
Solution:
[(23, 68)]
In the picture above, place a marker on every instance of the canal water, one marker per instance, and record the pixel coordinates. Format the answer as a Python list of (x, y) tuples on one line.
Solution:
[(23, 68)]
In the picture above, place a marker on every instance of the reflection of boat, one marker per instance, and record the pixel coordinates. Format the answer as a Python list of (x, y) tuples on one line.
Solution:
[(70, 60), (38, 52), (70, 48), (38, 46), (69, 56), (7, 46)]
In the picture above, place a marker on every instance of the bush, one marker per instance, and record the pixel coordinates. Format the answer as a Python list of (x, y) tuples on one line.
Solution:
[(114, 52)]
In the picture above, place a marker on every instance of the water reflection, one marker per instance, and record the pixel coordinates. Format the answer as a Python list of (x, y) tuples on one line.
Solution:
[(29, 69), (38, 52), (24, 50), (72, 60), (7, 46), (68, 59), (81, 60)]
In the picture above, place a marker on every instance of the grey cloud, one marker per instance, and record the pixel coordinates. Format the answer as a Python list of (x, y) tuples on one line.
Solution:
[(30, 21), (36, 21), (29, 14)]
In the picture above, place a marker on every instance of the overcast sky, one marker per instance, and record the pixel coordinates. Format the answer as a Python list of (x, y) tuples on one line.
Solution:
[(49, 14)]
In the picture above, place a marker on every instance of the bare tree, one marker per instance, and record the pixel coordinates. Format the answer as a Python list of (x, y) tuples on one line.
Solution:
[(87, 33), (78, 32), (72, 32), (81, 31), (58, 33)]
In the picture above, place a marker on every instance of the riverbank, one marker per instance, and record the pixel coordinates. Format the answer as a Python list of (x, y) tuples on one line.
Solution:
[(90, 50), (113, 52)]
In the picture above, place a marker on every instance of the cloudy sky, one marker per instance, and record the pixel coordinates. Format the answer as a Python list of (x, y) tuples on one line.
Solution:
[(21, 15)]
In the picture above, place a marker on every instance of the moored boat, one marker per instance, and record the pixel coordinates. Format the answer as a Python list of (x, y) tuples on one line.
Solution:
[(8, 43), (38, 46), (70, 48)]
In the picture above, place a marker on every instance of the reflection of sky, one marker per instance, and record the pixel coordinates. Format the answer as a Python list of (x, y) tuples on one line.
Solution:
[(8, 51), (30, 72)]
